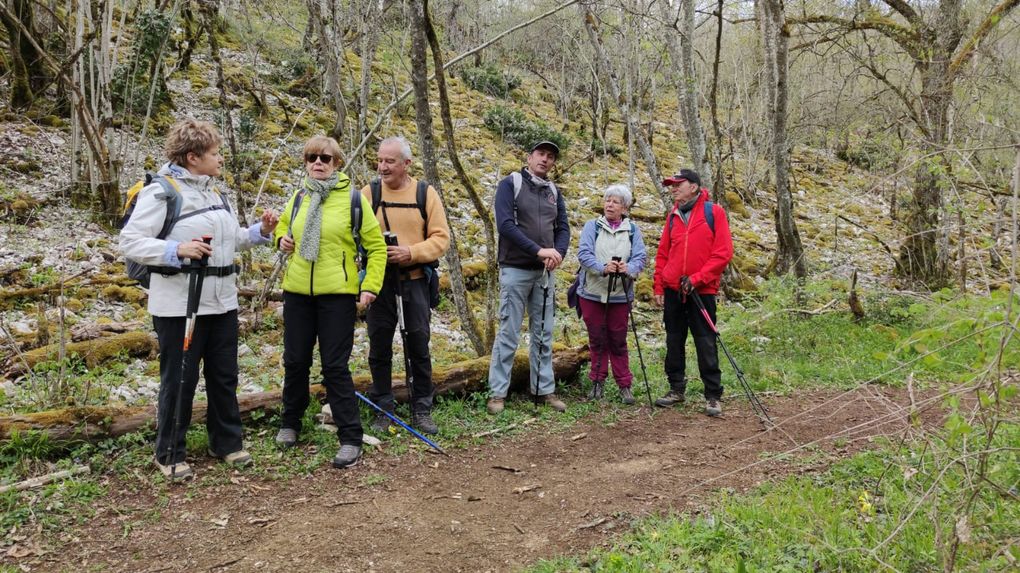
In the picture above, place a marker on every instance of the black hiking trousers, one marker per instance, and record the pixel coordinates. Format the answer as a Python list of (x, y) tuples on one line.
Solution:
[(214, 343), (680, 314), (328, 318), (382, 325)]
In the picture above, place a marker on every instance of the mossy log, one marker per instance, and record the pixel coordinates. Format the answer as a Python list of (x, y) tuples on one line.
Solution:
[(93, 352), (101, 422), (35, 292)]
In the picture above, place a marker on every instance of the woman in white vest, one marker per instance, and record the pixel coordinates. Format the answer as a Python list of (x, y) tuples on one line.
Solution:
[(193, 150), (612, 255)]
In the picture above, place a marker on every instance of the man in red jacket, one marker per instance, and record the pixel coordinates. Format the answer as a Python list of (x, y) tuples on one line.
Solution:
[(694, 248)]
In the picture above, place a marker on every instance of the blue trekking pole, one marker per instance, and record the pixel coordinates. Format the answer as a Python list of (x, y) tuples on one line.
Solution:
[(400, 422)]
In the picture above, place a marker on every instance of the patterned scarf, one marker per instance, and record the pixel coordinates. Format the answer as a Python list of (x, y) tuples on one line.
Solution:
[(318, 192)]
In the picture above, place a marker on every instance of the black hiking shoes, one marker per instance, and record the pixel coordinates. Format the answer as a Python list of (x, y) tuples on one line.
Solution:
[(626, 396), (423, 421), (671, 398), (380, 424)]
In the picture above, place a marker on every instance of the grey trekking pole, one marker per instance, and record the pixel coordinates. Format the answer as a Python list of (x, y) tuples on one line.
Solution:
[(637, 344), (196, 270), (541, 344), (598, 386)]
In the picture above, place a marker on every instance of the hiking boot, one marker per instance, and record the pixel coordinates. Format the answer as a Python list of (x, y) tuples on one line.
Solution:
[(671, 398), (597, 388), (626, 396), (713, 408), (238, 459), (381, 423), (347, 456), (423, 421), (178, 472), (495, 406), (286, 437), (556, 403)]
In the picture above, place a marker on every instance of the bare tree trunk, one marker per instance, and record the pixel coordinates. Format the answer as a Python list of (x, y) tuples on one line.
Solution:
[(719, 179), (633, 129), (369, 42), (426, 142), (330, 52), (482, 210), (790, 252), (234, 163), (681, 54), (26, 63)]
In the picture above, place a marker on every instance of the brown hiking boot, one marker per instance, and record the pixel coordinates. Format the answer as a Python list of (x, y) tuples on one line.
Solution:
[(626, 396), (713, 408), (555, 402), (495, 406), (671, 398)]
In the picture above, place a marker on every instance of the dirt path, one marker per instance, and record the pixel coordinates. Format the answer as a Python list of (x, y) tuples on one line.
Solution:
[(464, 514)]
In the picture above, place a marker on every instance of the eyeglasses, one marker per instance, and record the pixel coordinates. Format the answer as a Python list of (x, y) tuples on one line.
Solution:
[(323, 157)]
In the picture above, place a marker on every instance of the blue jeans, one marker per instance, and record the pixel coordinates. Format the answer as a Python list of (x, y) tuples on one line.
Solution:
[(521, 289)]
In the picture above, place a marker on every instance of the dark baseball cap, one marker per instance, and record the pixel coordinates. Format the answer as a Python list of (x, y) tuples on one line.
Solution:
[(546, 145), (683, 175)]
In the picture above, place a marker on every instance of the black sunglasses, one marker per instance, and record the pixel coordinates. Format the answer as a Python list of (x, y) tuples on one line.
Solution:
[(323, 157)]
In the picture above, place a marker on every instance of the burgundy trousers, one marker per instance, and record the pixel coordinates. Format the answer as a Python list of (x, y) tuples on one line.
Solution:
[(607, 340)]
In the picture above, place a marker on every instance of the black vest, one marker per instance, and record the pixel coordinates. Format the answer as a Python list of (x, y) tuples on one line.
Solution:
[(536, 215)]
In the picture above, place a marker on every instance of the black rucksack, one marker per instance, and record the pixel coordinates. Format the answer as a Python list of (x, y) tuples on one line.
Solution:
[(431, 269), (172, 195)]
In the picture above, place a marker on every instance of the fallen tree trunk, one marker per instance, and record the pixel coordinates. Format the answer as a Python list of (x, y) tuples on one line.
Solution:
[(101, 422), (93, 352)]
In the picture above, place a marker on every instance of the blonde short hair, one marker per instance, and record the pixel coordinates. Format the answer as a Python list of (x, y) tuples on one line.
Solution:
[(324, 144), (190, 136)]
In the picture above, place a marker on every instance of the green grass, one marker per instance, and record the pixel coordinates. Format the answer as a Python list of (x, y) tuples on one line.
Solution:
[(781, 351), (838, 521)]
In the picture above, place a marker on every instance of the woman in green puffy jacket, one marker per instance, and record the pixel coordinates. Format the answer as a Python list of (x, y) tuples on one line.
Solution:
[(322, 290)]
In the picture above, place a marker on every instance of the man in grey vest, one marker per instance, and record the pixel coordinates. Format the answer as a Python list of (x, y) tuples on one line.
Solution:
[(531, 218)]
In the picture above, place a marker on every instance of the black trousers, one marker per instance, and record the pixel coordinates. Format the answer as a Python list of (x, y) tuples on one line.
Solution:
[(214, 343), (382, 324), (330, 320), (680, 314)]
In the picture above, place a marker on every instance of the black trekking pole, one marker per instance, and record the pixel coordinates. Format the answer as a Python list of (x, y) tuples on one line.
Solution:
[(637, 343), (196, 271), (391, 241), (541, 344), (759, 409), (599, 386)]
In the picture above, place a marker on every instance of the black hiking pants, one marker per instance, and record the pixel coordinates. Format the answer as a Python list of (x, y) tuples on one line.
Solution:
[(382, 324), (214, 343), (680, 314), (329, 319)]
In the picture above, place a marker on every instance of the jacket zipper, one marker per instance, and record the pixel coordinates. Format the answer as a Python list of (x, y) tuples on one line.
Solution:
[(343, 264), (311, 281)]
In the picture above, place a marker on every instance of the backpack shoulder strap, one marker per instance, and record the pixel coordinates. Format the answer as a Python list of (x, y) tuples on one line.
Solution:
[(421, 197), (376, 186), (223, 199), (172, 196), (357, 216), (517, 180), (710, 216), (294, 208)]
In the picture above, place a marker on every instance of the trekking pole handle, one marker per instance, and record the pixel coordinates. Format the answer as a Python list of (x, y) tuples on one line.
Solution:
[(207, 239), (390, 238)]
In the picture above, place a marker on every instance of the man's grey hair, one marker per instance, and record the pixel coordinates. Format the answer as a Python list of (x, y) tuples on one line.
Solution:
[(620, 191), (405, 147)]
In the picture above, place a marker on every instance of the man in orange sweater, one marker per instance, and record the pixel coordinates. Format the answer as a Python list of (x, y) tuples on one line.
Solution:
[(414, 213)]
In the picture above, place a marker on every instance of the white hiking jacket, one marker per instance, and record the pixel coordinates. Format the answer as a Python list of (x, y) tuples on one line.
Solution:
[(168, 294)]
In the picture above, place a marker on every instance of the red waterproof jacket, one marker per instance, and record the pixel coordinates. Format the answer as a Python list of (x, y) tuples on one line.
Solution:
[(693, 250)]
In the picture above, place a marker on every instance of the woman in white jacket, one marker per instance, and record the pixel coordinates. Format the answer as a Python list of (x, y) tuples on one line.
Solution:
[(193, 150)]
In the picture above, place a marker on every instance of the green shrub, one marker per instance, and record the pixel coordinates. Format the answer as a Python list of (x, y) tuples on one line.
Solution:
[(513, 126), (490, 80)]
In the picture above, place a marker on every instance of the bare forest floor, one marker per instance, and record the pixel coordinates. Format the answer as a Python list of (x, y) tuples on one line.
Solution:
[(495, 507)]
